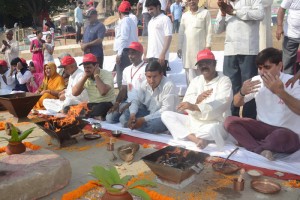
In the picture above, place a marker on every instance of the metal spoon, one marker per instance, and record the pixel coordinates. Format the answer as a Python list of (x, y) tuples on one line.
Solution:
[(228, 157)]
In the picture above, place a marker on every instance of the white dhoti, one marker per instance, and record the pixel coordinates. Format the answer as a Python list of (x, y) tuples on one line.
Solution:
[(180, 127), (53, 105)]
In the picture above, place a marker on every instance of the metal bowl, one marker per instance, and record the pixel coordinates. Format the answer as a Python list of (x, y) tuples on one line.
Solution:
[(96, 126), (253, 173), (116, 133), (265, 186)]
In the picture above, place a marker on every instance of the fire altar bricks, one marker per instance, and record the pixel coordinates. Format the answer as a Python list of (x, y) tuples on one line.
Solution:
[(175, 166)]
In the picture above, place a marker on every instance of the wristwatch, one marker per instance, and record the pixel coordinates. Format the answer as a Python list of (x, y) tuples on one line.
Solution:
[(234, 12)]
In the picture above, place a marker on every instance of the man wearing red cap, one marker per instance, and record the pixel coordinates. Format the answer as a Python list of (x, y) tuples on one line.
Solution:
[(6, 85), (99, 86), (93, 36), (133, 76), (126, 32), (66, 98), (207, 102)]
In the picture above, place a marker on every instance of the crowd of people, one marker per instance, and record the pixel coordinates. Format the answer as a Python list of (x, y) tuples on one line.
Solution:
[(260, 81)]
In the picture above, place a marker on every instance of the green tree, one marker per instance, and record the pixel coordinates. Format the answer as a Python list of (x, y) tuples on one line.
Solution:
[(36, 8)]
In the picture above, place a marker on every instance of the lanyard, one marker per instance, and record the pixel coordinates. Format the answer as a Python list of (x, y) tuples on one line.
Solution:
[(131, 76)]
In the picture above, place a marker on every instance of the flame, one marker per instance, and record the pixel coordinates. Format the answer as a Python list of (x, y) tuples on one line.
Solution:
[(57, 124), (177, 150)]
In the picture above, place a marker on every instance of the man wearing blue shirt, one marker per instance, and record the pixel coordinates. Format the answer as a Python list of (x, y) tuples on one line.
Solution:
[(176, 11), (93, 37)]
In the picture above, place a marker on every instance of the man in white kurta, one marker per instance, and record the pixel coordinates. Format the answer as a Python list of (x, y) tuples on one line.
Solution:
[(265, 29), (10, 47), (207, 103), (67, 99), (194, 35)]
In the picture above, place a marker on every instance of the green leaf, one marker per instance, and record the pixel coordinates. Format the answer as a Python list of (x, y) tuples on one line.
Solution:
[(25, 134), (14, 135), (125, 179), (143, 183), (103, 175), (4, 138), (115, 175), (140, 193)]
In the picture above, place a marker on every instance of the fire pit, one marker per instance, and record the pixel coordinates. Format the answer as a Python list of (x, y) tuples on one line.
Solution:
[(61, 130), (20, 104), (174, 164)]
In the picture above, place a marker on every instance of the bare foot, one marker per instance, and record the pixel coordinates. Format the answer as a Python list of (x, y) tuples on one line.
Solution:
[(99, 118), (201, 143), (267, 154)]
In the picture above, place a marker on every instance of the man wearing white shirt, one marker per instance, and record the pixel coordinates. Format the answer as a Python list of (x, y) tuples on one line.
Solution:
[(276, 129), (207, 102), (160, 35), (6, 85), (291, 32), (126, 32), (67, 99), (10, 47), (156, 95), (240, 19), (133, 76), (78, 20)]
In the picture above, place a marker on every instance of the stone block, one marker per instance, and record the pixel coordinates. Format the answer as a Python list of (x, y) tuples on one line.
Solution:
[(32, 174)]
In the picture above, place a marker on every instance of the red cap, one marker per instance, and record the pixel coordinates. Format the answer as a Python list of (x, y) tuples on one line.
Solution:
[(135, 46), (89, 58), (90, 3), (124, 6), (3, 63), (23, 60), (205, 54), (67, 60)]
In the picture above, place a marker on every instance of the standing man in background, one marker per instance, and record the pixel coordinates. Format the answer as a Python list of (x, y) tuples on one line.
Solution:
[(10, 47), (265, 29), (146, 16), (291, 32), (78, 20), (93, 37), (194, 35), (126, 32), (240, 20), (160, 35), (176, 11)]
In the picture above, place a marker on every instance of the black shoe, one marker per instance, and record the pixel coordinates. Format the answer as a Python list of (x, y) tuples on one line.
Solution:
[(168, 68)]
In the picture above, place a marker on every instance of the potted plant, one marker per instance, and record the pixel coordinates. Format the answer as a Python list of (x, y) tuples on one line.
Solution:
[(15, 145), (116, 187)]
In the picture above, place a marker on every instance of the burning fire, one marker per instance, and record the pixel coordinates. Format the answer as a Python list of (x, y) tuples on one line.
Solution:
[(57, 124)]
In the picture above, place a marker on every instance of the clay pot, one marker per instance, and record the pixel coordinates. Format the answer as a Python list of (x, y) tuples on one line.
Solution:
[(122, 195), (15, 148)]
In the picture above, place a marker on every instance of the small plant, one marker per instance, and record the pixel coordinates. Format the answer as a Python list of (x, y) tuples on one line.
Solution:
[(110, 178), (15, 133)]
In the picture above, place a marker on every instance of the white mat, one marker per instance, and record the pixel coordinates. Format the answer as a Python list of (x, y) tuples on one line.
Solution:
[(283, 163)]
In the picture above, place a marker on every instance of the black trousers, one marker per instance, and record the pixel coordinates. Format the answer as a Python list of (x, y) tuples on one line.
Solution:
[(99, 109), (78, 32)]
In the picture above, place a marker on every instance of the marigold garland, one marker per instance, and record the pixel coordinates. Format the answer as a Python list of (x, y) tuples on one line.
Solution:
[(28, 145), (292, 183), (78, 192), (2, 126)]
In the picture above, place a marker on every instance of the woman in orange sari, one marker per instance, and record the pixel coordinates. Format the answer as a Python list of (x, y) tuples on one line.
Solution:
[(53, 83)]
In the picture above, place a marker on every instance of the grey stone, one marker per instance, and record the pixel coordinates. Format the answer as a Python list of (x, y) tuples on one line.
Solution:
[(33, 174)]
